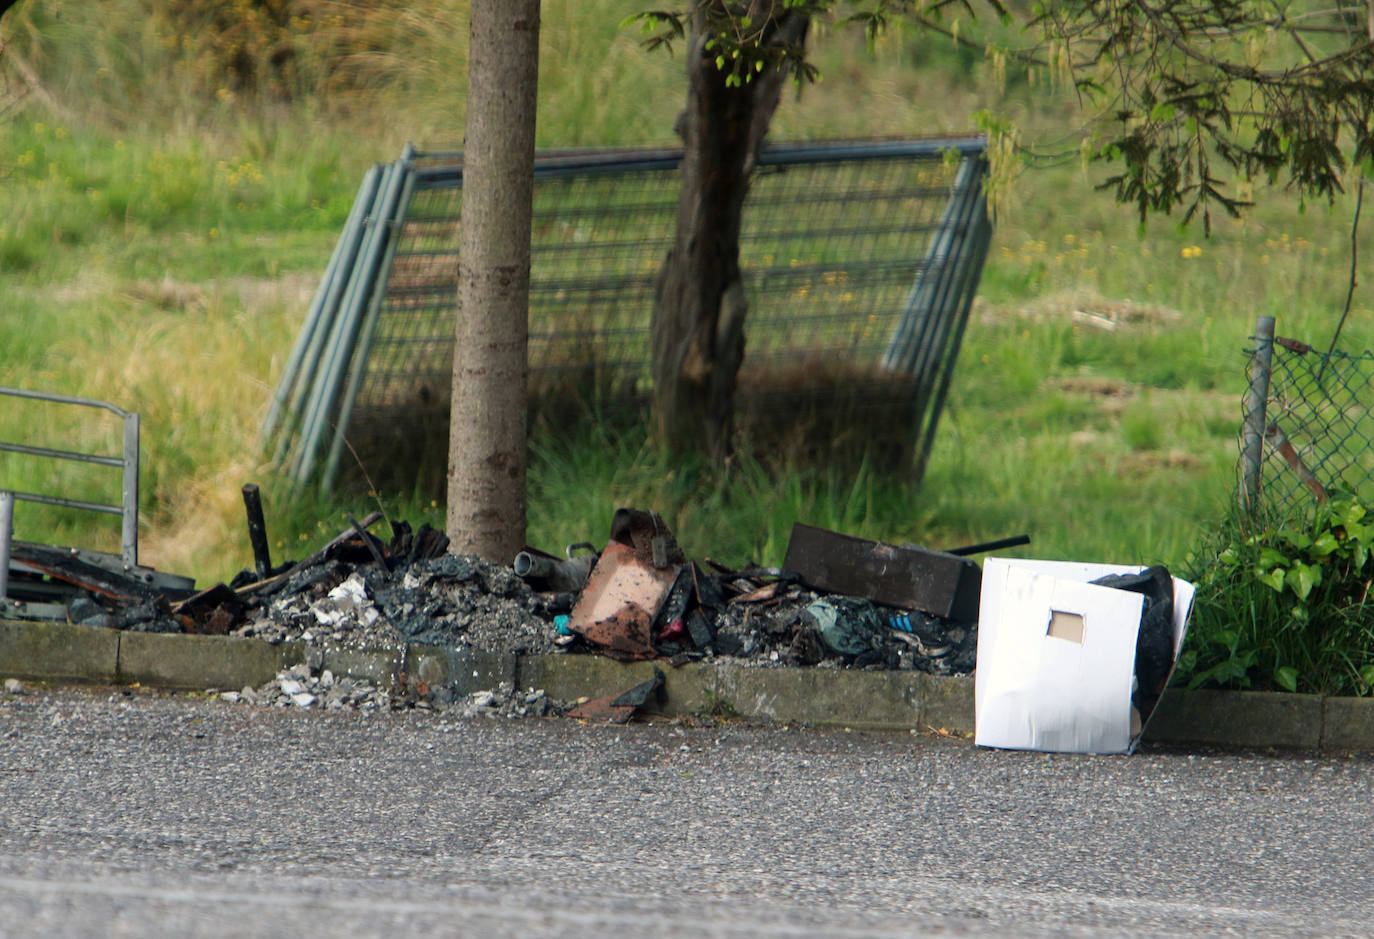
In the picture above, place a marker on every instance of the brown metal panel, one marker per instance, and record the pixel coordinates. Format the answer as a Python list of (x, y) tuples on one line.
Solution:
[(617, 607)]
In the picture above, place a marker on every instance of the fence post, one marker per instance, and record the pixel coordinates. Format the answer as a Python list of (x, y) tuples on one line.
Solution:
[(6, 530), (1256, 400)]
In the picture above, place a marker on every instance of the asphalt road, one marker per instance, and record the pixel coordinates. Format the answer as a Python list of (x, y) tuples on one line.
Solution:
[(177, 816)]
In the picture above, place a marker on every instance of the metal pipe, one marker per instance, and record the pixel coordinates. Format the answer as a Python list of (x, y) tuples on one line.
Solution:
[(129, 520), (554, 164), (6, 531), (1256, 403), (568, 576), (62, 454), (64, 399), (80, 504)]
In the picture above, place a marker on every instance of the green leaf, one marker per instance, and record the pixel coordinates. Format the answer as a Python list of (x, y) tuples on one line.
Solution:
[(1226, 637), (1274, 580), (1298, 539), (1271, 558), (1286, 677), (1232, 672), (1367, 676), (1162, 113), (1302, 578), (1323, 545)]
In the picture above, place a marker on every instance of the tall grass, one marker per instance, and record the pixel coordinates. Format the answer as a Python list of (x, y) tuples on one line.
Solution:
[(161, 237)]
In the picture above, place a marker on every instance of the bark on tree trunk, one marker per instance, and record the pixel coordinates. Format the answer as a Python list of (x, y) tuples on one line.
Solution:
[(700, 306), (486, 480)]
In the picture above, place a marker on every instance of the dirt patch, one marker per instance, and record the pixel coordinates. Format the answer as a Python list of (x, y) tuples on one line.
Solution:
[(1085, 308), (1102, 387), (1142, 461)]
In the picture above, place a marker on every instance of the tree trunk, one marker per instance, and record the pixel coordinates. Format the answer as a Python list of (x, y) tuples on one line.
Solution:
[(486, 478), (700, 306)]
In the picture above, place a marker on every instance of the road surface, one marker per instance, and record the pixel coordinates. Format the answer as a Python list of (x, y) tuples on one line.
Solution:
[(132, 814)]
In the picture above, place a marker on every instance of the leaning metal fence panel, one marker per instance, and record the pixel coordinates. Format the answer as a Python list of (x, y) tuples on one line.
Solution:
[(860, 262), (1309, 429)]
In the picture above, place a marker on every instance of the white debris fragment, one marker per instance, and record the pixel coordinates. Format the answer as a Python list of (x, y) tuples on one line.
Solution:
[(347, 602)]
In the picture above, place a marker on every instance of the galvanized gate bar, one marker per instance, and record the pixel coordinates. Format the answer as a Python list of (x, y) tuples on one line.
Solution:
[(339, 347), (128, 462), (972, 271), (305, 352), (6, 534), (364, 341)]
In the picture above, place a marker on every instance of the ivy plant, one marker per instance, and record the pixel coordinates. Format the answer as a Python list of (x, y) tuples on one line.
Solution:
[(1286, 606)]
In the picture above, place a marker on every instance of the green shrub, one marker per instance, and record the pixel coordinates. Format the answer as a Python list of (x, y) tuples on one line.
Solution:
[(1286, 606)]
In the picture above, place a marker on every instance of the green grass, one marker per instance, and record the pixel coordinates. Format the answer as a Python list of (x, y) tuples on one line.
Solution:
[(158, 249)]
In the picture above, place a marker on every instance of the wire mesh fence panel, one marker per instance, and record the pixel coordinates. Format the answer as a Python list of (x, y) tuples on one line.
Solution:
[(1315, 427), (835, 239)]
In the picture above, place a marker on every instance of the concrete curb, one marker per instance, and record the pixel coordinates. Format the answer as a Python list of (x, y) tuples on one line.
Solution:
[(871, 700)]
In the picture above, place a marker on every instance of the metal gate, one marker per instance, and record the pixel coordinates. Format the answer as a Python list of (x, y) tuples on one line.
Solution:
[(860, 261)]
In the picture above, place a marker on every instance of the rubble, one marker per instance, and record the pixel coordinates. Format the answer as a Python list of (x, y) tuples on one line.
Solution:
[(620, 708), (640, 597), (307, 686)]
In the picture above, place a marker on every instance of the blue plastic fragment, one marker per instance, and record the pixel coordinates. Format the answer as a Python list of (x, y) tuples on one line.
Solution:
[(560, 625)]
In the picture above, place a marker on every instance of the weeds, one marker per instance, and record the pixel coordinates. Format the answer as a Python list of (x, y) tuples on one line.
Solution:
[(1286, 606)]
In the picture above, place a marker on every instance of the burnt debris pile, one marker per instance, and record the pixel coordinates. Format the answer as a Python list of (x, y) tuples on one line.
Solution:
[(837, 601)]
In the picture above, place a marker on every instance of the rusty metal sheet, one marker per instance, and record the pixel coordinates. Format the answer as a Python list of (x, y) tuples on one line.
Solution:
[(617, 607), (619, 708), (603, 711)]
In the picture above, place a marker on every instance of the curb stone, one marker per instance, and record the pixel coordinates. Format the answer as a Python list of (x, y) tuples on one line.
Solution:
[(868, 700), (58, 652)]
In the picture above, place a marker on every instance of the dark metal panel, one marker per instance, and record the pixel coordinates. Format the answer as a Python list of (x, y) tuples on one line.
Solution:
[(908, 578)]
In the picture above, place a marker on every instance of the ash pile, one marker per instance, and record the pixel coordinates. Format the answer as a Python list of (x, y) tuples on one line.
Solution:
[(836, 602)]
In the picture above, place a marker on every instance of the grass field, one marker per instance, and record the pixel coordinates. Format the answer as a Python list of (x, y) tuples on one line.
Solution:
[(160, 242)]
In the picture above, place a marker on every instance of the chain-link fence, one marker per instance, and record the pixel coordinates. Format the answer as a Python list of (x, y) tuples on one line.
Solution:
[(1309, 429), (860, 260)]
